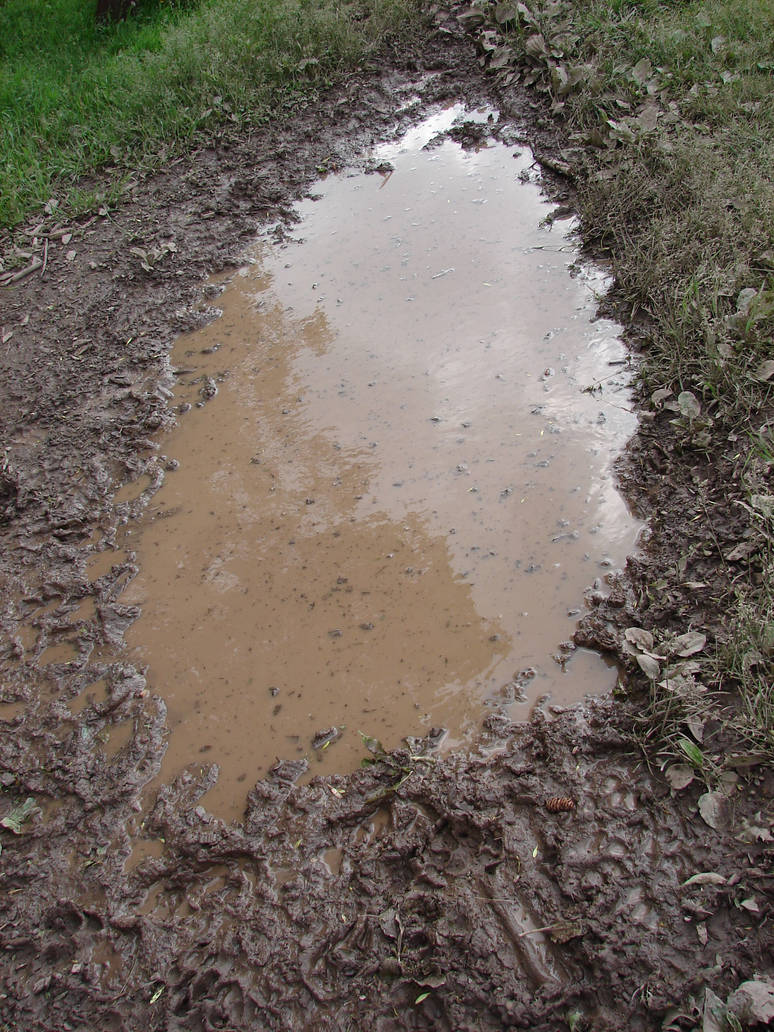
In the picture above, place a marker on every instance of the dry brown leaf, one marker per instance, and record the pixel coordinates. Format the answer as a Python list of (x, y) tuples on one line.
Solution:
[(706, 878), (689, 644), (535, 47), (639, 637), (679, 776), (753, 1001), (713, 807), (642, 71), (741, 551), (649, 666)]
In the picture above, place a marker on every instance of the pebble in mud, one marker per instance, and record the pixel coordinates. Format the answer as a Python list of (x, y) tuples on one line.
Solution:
[(326, 737), (209, 389)]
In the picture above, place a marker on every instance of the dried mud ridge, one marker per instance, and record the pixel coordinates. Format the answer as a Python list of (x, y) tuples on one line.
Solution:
[(420, 893)]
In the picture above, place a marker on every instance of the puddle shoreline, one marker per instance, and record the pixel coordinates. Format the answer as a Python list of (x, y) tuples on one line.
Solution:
[(392, 461)]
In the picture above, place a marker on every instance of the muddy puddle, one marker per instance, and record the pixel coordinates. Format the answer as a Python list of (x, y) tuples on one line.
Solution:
[(390, 485)]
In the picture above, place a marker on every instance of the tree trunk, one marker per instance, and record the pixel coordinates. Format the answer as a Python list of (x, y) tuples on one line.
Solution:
[(112, 10)]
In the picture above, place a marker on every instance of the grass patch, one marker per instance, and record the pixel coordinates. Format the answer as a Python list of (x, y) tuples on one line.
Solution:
[(75, 97), (668, 110)]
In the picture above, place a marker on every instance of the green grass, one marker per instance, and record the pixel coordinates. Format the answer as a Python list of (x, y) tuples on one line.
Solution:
[(668, 115), (75, 97)]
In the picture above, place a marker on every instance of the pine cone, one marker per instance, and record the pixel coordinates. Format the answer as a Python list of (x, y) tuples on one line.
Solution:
[(560, 804)]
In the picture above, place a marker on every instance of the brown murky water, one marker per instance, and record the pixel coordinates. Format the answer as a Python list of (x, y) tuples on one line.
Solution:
[(391, 507)]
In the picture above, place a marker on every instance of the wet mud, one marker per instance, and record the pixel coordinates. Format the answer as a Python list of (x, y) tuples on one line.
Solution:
[(541, 885)]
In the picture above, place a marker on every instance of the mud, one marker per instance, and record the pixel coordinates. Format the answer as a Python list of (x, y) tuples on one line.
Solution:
[(424, 892), (389, 487)]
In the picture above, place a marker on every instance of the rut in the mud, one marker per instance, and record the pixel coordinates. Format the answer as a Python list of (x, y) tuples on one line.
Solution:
[(391, 482)]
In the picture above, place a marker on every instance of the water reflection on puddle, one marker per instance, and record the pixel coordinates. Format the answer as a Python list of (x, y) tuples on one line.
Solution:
[(394, 502)]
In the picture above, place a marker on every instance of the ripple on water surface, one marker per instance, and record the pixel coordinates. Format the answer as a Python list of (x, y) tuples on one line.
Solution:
[(392, 505)]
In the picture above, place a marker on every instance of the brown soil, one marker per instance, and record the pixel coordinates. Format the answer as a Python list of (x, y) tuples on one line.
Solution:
[(422, 892)]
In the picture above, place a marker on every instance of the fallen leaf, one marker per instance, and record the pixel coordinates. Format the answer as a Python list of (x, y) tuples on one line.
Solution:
[(727, 783), (754, 830), (659, 396), (713, 1016), (18, 815), (696, 727), (506, 12), (741, 551), (470, 19), (744, 760), (679, 776), (701, 933), (388, 923), (764, 504), (620, 131), (564, 931), (535, 47), (724, 349), (648, 115), (502, 58), (642, 71), (751, 905), (765, 370), (649, 666), (434, 980), (641, 638), (713, 807), (689, 644), (706, 878), (753, 1002), (688, 404)]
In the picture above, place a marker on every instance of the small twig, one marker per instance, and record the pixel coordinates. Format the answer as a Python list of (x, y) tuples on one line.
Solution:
[(535, 931), (45, 258), (14, 277)]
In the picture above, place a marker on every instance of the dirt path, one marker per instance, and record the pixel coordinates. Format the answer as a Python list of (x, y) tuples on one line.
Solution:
[(419, 893)]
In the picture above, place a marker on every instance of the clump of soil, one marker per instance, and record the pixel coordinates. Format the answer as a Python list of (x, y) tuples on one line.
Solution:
[(418, 893)]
